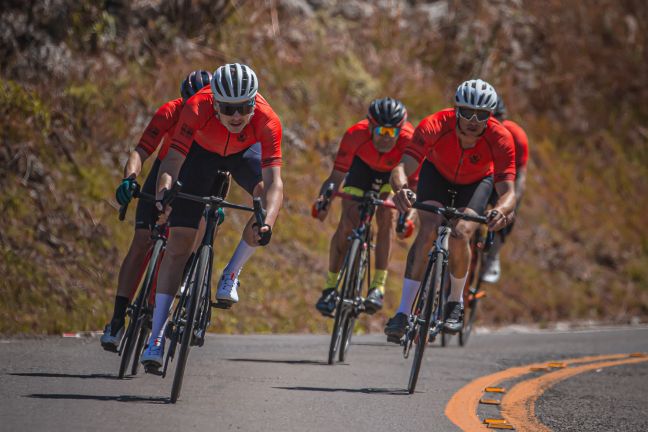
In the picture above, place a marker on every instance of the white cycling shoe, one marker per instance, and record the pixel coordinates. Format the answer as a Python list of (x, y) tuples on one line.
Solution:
[(153, 355), (493, 271), (227, 288)]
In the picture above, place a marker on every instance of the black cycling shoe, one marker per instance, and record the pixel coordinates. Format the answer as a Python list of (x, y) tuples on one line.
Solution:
[(454, 316), (374, 301), (326, 303), (396, 327)]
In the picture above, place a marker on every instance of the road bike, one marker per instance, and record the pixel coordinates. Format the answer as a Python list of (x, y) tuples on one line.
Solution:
[(426, 319), (192, 313), (355, 271)]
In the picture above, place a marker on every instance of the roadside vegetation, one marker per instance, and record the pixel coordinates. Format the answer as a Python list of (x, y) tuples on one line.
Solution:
[(79, 84)]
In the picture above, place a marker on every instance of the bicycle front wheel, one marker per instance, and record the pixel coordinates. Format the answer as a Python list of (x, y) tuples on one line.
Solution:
[(195, 293), (431, 288), (342, 310)]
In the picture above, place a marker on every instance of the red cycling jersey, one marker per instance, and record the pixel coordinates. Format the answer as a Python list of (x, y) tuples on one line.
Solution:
[(162, 125), (357, 142), (521, 143), (435, 138), (199, 122)]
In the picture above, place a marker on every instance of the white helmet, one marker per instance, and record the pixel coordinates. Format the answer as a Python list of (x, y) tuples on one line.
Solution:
[(476, 94), (234, 83)]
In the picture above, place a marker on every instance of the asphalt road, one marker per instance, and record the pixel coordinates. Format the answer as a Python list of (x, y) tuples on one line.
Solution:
[(281, 383)]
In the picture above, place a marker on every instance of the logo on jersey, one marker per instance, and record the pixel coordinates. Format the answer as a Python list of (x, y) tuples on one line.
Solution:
[(242, 137), (475, 158)]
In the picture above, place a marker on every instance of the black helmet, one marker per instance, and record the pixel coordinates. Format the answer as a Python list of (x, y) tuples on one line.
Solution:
[(194, 82), (500, 110), (387, 112)]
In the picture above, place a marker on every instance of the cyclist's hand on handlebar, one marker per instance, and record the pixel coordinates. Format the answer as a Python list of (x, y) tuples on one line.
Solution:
[(404, 199), (319, 211), (125, 190), (496, 220), (262, 234)]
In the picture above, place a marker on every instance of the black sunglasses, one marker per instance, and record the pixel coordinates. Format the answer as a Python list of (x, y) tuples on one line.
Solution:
[(229, 109), (468, 113)]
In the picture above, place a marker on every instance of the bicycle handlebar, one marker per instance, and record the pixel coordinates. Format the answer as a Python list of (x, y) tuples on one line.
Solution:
[(449, 212)]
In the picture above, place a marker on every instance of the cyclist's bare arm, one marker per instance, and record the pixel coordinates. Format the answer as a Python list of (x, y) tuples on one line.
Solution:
[(133, 166), (398, 181), (272, 192), (503, 212), (336, 177), (520, 183), (169, 169)]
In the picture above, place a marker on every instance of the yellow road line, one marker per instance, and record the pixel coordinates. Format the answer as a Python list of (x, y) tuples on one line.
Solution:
[(518, 405), (462, 407)]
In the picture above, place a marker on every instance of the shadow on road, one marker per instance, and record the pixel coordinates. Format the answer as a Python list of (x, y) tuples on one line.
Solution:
[(62, 375), (297, 362), (122, 398), (368, 390)]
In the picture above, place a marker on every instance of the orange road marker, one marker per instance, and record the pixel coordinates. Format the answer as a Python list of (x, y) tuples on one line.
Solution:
[(494, 421), (489, 401), (495, 390), (638, 354), (500, 426), (557, 365), (462, 407), (539, 369), (518, 405)]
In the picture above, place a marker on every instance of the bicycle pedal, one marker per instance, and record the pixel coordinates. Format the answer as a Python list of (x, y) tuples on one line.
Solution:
[(394, 339), (221, 305)]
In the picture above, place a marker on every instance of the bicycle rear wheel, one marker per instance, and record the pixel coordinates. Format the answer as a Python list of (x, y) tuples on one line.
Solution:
[(472, 300), (341, 309), (432, 285), (132, 334), (195, 293)]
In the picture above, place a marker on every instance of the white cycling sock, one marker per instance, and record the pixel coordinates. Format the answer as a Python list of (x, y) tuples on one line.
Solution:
[(457, 288), (163, 304), (408, 294), (241, 255)]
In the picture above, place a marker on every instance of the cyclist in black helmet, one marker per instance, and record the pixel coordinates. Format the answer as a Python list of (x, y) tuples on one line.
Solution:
[(159, 131), (368, 152)]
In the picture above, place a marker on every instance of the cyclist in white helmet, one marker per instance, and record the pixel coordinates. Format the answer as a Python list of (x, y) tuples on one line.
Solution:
[(227, 126), (466, 150)]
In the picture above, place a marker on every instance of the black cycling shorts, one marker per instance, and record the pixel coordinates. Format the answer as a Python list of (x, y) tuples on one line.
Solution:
[(432, 186), (199, 176), (362, 178), (144, 215)]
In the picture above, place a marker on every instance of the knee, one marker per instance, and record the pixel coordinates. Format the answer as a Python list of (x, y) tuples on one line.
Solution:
[(179, 246)]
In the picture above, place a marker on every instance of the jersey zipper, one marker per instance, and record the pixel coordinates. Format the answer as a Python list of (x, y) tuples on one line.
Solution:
[(226, 144)]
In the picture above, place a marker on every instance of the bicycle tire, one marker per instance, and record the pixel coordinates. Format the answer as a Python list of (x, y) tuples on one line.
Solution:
[(432, 284), (134, 326), (349, 324), (144, 334), (465, 333), (340, 312), (185, 346)]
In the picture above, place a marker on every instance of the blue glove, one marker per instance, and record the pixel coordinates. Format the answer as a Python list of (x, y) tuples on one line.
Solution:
[(124, 192)]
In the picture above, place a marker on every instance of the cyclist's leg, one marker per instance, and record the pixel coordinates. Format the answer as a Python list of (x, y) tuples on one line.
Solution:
[(386, 222), (245, 168), (432, 189), (131, 269), (197, 174), (471, 199)]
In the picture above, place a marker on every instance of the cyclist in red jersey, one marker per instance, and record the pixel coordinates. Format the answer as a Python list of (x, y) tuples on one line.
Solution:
[(368, 152), (159, 130), (227, 126), (467, 151), (492, 269)]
